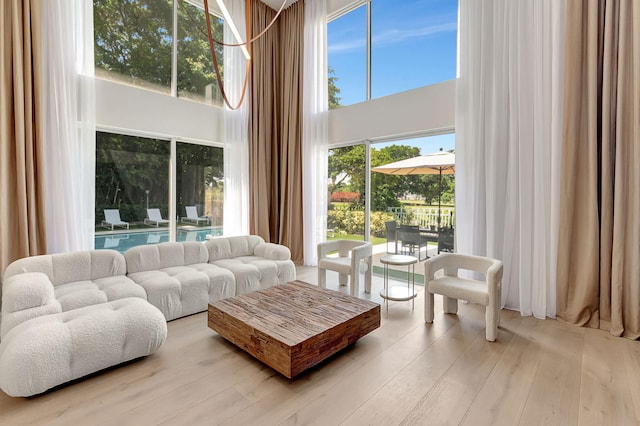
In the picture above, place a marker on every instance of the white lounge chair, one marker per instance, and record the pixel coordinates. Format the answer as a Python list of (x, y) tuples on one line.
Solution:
[(112, 218), (192, 216), (154, 217)]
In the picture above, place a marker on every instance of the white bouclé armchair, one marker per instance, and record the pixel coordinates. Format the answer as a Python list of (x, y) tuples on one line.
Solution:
[(452, 287), (354, 258)]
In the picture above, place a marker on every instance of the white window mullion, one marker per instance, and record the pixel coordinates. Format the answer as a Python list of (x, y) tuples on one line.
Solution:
[(174, 51), (367, 190), (368, 50), (173, 192)]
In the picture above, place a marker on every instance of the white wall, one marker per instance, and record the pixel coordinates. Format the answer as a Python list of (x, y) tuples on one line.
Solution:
[(418, 111), (426, 109), (123, 107)]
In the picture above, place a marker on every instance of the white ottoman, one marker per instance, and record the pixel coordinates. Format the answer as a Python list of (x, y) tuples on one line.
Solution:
[(50, 350)]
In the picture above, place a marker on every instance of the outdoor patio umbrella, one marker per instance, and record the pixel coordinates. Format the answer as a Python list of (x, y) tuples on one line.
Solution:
[(430, 164)]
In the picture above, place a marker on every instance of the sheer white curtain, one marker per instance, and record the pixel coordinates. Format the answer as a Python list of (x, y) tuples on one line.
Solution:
[(236, 131), (69, 129), (315, 130), (508, 143)]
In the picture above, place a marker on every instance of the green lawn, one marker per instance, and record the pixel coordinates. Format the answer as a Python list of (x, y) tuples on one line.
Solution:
[(373, 240)]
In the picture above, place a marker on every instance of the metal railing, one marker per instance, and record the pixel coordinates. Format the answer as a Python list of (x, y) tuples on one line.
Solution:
[(425, 217)]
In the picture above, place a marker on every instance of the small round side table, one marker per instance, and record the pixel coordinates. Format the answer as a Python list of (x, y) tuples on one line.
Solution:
[(399, 293)]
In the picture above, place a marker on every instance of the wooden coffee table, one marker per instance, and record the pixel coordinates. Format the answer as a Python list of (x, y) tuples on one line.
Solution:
[(292, 327)]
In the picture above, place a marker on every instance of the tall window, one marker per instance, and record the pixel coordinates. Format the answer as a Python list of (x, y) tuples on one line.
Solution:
[(424, 201), (134, 45), (410, 43)]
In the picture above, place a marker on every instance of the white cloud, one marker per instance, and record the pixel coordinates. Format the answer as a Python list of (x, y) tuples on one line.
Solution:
[(391, 36), (347, 46), (395, 36)]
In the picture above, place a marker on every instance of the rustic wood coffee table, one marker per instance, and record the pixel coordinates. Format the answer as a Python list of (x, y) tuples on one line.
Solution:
[(292, 327)]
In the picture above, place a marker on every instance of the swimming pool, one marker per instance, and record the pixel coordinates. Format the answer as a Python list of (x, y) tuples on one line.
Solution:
[(124, 241)]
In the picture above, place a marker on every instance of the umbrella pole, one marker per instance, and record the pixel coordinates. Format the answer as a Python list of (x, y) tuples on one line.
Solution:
[(439, 195)]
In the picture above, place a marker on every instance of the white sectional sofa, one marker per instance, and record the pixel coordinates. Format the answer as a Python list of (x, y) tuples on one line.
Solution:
[(68, 315)]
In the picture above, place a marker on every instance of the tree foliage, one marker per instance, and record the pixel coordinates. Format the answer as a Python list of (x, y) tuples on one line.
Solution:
[(128, 166), (347, 174), (134, 39), (334, 90)]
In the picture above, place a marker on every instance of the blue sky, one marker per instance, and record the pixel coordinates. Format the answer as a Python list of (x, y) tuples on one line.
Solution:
[(427, 145), (413, 45)]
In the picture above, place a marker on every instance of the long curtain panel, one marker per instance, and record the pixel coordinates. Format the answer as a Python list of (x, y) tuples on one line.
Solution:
[(69, 129), (236, 130), (22, 218), (599, 255), (275, 128), (315, 128), (508, 132)]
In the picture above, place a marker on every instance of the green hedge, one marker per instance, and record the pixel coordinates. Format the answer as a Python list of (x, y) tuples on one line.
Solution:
[(344, 221)]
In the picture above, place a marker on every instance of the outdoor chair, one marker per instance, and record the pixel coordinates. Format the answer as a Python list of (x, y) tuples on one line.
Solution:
[(112, 218), (445, 240), (192, 216), (452, 287), (354, 258), (412, 240), (154, 217), (392, 236)]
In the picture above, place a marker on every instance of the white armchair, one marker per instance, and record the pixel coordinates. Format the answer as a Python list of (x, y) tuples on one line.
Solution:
[(452, 287), (354, 258)]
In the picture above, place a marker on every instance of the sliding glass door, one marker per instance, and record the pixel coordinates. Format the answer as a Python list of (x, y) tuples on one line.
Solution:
[(420, 200), (199, 191), (134, 191)]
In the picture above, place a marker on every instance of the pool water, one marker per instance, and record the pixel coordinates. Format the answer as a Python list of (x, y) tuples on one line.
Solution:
[(124, 241)]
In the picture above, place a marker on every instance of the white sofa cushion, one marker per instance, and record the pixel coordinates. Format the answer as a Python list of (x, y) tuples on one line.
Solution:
[(50, 350), (27, 296), (63, 268), (18, 296), (232, 247)]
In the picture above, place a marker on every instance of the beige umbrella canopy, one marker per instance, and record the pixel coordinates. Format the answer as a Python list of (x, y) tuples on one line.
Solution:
[(430, 164)]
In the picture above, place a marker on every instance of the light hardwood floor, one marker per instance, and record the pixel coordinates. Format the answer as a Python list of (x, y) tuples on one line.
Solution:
[(406, 372)]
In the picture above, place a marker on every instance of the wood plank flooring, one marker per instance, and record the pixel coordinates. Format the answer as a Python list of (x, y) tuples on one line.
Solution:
[(406, 372)]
